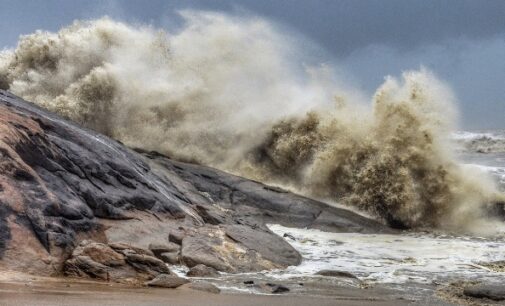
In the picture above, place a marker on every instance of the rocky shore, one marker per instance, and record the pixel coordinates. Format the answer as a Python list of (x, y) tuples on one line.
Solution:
[(78, 207), (76, 203)]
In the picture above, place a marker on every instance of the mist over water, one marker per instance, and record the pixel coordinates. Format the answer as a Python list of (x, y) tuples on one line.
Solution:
[(230, 93)]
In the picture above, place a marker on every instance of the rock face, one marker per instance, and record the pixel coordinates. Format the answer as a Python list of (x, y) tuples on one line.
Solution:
[(61, 184)]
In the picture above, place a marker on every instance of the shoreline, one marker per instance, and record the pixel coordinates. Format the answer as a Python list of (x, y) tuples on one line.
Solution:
[(23, 289)]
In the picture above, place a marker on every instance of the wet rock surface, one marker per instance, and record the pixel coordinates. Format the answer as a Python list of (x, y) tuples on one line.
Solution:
[(202, 271), (167, 281), (486, 291), (336, 273), (61, 184)]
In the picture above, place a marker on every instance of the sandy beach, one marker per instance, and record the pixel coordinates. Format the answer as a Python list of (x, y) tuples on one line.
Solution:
[(92, 294)]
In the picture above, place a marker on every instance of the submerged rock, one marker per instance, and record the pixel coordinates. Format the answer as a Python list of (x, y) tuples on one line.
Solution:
[(279, 289), (492, 292), (336, 273)]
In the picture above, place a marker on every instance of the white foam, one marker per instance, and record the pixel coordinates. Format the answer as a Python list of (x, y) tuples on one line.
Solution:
[(465, 135), (498, 172), (385, 258)]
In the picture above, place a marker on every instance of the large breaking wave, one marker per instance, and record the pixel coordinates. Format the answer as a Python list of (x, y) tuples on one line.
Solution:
[(229, 92)]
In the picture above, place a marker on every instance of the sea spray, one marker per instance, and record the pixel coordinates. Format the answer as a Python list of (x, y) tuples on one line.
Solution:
[(228, 92)]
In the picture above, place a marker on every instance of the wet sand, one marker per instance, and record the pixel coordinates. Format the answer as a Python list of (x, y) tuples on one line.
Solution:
[(91, 294), (23, 289)]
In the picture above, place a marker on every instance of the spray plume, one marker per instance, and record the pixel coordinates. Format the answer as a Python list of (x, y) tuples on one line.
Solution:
[(227, 92)]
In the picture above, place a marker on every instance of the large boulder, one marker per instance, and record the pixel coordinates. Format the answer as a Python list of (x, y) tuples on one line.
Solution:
[(84, 266), (202, 271)]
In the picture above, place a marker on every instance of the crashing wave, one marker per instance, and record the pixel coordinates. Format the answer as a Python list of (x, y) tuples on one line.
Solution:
[(228, 92)]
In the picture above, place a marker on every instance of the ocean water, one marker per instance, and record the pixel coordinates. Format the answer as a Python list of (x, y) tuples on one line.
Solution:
[(484, 150), (394, 259), (425, 258)]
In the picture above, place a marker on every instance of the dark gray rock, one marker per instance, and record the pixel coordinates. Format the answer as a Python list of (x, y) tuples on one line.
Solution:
[(279, 289), (205, 286), (202, 271), (336, 273), (486, 291), (167, 281)]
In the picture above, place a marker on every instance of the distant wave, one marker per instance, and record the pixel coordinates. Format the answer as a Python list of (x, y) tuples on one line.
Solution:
[(483, 142)]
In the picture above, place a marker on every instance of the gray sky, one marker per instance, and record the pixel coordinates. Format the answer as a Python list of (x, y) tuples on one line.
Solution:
[(463, 42)]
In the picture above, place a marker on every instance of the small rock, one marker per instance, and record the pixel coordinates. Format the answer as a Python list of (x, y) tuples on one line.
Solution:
[(160, 248), (336, 273), (249, 282), (176, 236), (204, 286), (167, 281), (202, 271), (274, 288), (172, 258), (279, 289), (492, 292), (286, 235)]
